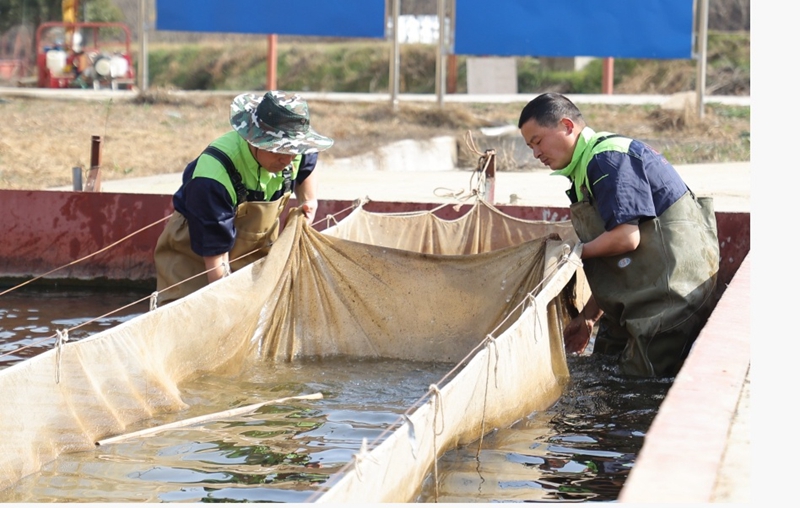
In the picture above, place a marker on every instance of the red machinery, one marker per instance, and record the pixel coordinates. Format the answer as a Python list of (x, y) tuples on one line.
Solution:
[(81, 62)]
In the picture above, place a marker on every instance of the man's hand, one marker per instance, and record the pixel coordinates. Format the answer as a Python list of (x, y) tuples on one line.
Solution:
[(309, 209), (577, 334), (579, 330)]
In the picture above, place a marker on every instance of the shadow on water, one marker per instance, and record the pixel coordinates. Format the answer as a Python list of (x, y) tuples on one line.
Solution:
[(580, 449)]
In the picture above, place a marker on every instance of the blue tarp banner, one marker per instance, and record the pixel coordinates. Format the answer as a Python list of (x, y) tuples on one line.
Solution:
[(567, 28), (322, 18)]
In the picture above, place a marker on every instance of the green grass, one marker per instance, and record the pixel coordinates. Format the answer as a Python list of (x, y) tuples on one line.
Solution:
[(363, 66)]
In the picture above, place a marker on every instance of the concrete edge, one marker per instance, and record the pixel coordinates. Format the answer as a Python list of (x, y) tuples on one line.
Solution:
[(125, 95), (685, 446)]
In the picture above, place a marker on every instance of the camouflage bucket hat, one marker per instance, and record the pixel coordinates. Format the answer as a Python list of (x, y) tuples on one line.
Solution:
[(276, 122)]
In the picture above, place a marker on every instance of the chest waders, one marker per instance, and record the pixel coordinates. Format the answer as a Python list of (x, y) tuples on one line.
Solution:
[(256, 225), (658, 297)]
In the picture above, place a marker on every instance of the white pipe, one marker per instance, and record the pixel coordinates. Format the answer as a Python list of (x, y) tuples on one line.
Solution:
[(702, 41), (440, 56), (395, 68), (143, 27)]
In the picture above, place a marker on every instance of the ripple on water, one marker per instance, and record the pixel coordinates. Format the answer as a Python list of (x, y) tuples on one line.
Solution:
[(580, 449)]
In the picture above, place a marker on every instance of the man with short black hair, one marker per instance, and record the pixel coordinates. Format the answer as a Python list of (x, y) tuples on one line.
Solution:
[(649, 245)]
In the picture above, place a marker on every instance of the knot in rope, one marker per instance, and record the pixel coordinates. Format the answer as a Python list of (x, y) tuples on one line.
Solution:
[(438, 407)]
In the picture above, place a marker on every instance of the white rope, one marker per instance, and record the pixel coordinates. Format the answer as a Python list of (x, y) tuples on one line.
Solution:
[(490, 342), (438, 406), (62, 336), (85, 257), (330, 218), (536, 321), (458, 195)]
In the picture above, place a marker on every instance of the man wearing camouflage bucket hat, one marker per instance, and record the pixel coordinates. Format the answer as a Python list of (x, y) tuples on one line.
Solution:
[(233, 194)]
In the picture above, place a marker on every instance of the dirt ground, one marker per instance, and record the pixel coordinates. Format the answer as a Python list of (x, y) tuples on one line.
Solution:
[(42, 140)]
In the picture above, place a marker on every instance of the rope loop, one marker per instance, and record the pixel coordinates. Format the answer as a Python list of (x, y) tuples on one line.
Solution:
[(437, 408), (62, 336)]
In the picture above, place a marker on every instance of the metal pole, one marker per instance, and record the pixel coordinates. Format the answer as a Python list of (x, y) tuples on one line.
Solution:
[(395, 69), (702, 40), (452, 59), (272, 62), (608, 75), (77, 179), (143, 27), (93, 180), (440, 55)]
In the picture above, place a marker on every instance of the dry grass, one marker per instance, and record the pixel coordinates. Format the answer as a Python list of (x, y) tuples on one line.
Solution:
[(42, 140)]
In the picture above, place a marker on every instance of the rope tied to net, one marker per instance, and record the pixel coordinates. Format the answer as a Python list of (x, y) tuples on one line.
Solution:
[(62, 336), (536, 321), (490, 342), (332, 216), (438, 408), (153, 300)]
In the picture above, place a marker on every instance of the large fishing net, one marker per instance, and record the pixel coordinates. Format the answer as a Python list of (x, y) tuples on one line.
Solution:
[(487, 292)]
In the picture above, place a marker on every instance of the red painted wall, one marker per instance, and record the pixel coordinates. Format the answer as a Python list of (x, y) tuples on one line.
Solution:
[(44, 231)]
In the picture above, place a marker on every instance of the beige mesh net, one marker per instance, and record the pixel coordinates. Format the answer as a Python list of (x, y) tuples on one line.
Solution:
[(485, 290)]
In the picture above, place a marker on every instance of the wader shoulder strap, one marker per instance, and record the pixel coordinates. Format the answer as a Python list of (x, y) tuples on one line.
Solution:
[(603, 138), (287, 180), (236, 178)]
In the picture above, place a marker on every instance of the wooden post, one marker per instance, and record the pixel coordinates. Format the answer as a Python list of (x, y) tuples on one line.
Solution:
[(272, 62), (608, 76)]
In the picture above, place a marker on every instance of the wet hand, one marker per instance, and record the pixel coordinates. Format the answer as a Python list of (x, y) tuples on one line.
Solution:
[(577, 334)]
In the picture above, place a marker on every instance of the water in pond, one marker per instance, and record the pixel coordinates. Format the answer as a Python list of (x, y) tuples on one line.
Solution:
[(30, 317), (279, 453), (582, 448)]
